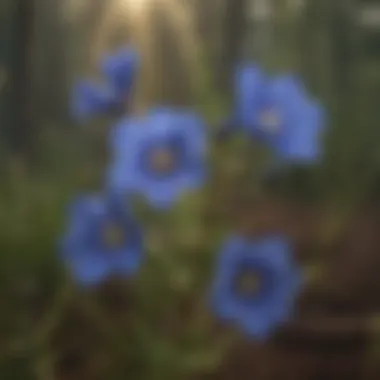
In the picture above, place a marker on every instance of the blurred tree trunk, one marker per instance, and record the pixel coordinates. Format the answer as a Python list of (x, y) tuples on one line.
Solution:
[(345, 34), (51, 62), (317, 47), (324, 71), (233, 29), (6, 35), (331, 53), (208, 18), (327, 40), (23, 131)]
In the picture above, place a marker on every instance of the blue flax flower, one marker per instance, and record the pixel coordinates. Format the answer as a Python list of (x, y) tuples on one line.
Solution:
[(249, 82), (255, 284), (302, 138), (101, 239), (278, 112), (249, 85), (120, 70), (289, 122), (90, 99), (159, 156)]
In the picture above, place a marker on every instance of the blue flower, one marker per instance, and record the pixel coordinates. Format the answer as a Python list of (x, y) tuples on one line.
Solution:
[(289, 122), (159, 156), (101, 239), (278, 112), (90, 99), (249, 85), (256, 284), (120, 71), (302, 138)]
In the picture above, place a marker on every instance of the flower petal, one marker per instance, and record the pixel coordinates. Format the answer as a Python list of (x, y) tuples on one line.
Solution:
[(89, 269), (303, 143), (258, 326), (249, 81), (120, 70), (90, 99)]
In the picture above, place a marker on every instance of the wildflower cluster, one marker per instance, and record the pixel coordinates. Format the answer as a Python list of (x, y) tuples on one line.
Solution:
[(163, 154)]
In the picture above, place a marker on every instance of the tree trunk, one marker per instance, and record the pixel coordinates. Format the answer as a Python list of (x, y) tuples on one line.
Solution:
[(23, 132), (235, 21), (50, 53)]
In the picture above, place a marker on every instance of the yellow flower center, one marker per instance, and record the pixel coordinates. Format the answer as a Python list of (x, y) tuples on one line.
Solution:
[(114, 236), (270, 120), (162, 161)]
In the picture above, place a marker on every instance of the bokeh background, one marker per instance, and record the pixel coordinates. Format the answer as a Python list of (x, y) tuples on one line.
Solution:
[(157, 328)]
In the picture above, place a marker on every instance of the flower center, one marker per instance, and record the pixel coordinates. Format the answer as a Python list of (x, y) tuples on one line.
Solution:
[(270, 120), (114, 236), (162, 161), (248, 284)]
